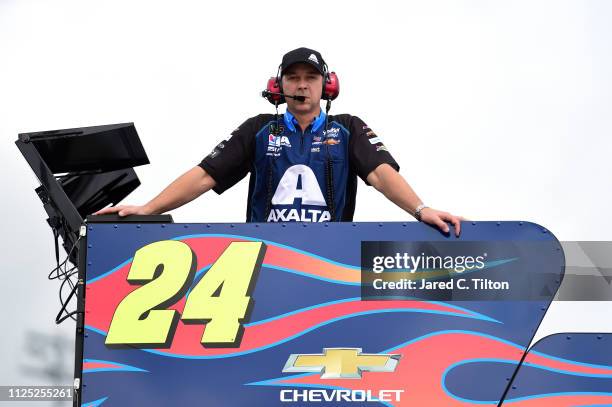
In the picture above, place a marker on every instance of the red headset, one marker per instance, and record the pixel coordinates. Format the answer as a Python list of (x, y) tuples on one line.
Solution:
[(331, 87)]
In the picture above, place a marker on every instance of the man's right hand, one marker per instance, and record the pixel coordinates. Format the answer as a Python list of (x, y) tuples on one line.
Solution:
[(125, 210)]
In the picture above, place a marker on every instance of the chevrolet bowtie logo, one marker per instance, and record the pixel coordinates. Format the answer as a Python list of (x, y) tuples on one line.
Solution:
[(341, 363)]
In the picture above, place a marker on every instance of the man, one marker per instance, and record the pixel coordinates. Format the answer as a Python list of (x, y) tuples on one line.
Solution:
[(303, 166)]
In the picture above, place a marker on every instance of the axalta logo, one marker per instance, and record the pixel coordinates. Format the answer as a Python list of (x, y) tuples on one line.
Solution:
[(295, 215), (298, 182)]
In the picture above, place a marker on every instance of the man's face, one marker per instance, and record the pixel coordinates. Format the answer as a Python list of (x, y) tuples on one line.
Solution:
[(303, 80)]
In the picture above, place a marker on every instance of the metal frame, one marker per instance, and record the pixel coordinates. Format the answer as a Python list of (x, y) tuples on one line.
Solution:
[(59, 199), (80, 318)]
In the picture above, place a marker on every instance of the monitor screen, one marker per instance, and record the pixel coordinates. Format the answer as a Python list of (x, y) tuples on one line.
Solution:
[(81, 171), (91, 192), (89, 149)]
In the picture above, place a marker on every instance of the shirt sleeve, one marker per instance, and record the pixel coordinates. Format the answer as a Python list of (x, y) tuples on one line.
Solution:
[(230, 161), (366, 149)]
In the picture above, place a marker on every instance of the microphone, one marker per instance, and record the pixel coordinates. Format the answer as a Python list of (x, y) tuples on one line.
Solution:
[(266, 94)]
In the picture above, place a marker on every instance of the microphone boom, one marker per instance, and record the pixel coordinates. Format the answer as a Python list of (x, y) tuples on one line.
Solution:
[(266, 94)]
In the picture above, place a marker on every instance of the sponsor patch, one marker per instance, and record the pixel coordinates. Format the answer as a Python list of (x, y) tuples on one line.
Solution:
[(278, 141), (333, 132), (375, 140)]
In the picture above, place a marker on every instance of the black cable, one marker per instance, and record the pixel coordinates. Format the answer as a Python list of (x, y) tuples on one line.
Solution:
[(56, 236), (269, 193), (57, 269), (65, 303), (59, 319), (276, 133), (329, 177), (329, 168), (65, 274)]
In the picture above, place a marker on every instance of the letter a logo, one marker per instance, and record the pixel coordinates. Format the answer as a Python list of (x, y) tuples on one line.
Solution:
[(287, 190)]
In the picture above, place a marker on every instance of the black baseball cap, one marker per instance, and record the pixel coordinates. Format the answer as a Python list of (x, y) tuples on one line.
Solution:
[(305, 55)]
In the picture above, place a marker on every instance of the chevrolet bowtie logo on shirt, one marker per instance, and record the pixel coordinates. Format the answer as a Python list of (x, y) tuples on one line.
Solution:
[(341, 363)]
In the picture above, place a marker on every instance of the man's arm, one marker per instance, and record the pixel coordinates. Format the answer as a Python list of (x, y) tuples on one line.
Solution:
[(184, 189), (393, 186)]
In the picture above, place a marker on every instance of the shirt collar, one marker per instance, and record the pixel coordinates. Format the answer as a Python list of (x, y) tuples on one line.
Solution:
[(291, 122)]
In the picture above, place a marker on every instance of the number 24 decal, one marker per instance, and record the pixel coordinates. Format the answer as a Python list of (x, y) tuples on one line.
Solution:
[(221, 299)]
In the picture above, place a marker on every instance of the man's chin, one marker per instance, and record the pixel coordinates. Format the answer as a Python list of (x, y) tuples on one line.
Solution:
[(302, 107)]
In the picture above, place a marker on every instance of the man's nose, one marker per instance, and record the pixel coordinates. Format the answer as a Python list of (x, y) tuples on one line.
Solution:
[(302, 83)]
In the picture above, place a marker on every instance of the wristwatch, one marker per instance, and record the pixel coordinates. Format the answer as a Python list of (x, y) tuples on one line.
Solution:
[(417, 211)]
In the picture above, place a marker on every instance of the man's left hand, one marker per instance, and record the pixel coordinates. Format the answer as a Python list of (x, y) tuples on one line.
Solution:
[(438, 219)]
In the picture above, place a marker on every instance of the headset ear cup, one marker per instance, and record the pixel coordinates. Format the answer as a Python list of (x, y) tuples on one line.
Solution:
[(274, 87), (331, 86)]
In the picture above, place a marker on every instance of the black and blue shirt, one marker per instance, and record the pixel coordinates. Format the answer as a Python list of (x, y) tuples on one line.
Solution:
[(308, 176)]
